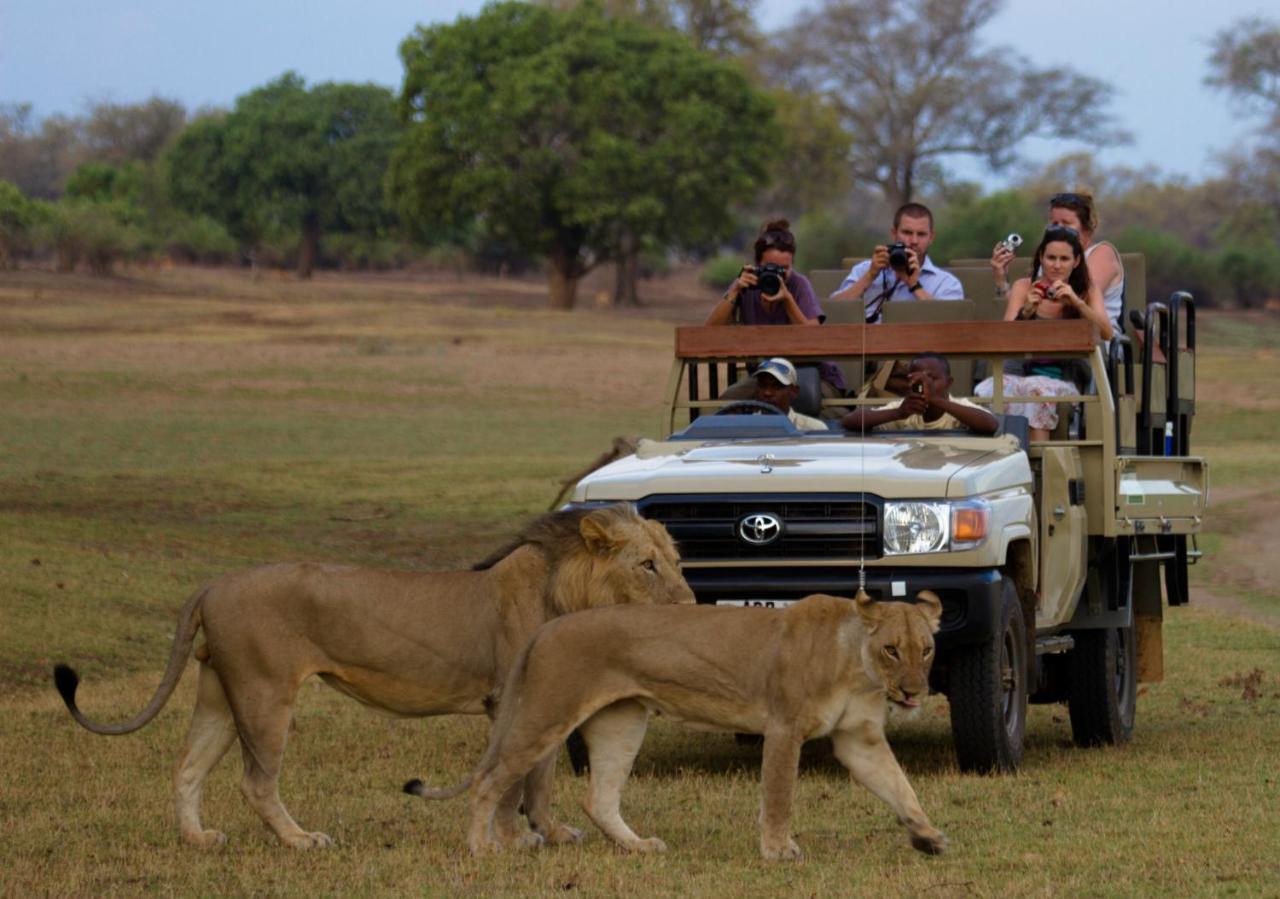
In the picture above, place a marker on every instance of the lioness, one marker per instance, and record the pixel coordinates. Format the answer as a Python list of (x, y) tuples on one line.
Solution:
[(823, 667), (406, 643)]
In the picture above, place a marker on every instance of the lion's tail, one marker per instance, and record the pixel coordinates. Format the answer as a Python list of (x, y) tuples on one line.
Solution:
[(501, 723), (416, 787), (66, 679)]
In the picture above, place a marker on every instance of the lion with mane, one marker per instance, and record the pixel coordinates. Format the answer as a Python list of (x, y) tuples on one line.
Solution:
[(406, 643), (824, 667)]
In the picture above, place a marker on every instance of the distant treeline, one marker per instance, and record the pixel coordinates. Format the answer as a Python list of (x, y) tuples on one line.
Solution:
[(562, 135)]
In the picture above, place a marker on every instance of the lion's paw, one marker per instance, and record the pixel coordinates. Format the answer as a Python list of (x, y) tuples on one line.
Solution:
[(529, 839), (653, 844), (787, 852), (559, 834), (206, 839), (934, 843), (314, 840)]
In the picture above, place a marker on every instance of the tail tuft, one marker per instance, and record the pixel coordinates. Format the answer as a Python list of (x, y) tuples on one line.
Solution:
[(416, 787), (66, 680)]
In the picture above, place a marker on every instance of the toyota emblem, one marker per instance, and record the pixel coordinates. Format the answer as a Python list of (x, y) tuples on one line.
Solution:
[(760, 528)]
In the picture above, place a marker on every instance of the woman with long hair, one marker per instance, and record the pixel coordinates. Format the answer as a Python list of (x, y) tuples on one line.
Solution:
[(1076, 210), (1063, 289)]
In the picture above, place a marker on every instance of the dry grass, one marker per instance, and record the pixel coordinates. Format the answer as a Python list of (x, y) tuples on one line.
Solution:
[(165, 428)]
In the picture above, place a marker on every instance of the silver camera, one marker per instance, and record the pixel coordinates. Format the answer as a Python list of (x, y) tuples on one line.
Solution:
[(1012, 242)]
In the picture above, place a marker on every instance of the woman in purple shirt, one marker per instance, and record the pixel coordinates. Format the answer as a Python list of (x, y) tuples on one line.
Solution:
[(793, 303)]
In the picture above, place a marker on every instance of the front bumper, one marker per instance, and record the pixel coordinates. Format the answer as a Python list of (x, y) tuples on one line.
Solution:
[(970, 597)]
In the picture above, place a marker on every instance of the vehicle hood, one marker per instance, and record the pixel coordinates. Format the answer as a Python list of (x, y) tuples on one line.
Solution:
[(906, 467)]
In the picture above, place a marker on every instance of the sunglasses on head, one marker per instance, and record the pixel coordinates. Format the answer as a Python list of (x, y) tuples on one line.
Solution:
[(1053, 229), (777, 238), (1068, 199)]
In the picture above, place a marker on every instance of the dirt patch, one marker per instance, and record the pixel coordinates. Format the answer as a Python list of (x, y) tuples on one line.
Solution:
[(1249, 556), (1234, 608)]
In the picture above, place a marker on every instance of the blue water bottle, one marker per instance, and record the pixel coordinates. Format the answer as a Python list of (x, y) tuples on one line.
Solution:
[(1168, 438)]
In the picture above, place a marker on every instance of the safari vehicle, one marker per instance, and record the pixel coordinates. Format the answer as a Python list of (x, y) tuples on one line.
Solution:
[(1048, 556)]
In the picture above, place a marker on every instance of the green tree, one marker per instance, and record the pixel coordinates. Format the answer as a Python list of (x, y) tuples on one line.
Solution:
[(914, 86), (312, 158), (568, 134), (17, 216), (969, 225), (724, 27)]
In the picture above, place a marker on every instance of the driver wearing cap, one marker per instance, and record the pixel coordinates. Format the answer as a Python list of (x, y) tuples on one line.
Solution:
[(778, 385)]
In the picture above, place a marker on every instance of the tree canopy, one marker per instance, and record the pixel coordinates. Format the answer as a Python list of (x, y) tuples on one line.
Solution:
[(313, 158), (1246, 62), (914, 86), (569, 133)]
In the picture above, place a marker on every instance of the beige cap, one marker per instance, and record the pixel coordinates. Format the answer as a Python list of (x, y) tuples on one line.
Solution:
[(780, 368)]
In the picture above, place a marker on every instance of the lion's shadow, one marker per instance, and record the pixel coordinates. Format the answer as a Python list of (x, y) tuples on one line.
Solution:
[(674, 753)]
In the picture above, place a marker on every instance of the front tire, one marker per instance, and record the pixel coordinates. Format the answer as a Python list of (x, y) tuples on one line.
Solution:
[(987, 690), (1102, 689)]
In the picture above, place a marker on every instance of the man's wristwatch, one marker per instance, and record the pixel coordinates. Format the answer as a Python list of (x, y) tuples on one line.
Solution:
[(914, 287)]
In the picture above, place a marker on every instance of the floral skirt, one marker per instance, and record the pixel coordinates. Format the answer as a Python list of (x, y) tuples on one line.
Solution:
[(1038, 415)]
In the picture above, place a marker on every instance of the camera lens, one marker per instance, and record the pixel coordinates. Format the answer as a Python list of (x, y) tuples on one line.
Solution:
[(898, 257), (769, 283)]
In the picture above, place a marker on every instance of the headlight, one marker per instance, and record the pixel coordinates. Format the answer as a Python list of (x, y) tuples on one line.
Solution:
[(934, 527), (916, 527)]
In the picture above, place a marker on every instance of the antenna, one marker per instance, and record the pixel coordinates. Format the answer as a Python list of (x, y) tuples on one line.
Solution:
[(862, 463)]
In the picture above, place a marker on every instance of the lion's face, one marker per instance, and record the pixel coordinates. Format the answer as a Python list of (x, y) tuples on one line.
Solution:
[(898, 649), (634, 560)]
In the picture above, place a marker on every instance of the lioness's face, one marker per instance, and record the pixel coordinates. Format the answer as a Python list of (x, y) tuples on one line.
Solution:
[(898, 650)]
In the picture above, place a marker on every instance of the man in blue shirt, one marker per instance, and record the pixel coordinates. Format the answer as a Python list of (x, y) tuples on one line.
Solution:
[(909, 275)]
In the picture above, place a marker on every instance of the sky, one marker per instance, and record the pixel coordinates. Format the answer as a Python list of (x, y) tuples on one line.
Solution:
[(59, 55)]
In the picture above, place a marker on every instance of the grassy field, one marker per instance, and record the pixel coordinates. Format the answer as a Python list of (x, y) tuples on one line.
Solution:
[(161, 429)]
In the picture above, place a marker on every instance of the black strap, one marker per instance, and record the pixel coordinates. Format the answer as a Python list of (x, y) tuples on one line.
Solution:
[(873, 308)]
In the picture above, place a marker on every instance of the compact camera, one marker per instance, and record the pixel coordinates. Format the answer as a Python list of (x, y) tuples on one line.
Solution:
[(898, 259), (1012, 242), (1046, 288), (769, 278)]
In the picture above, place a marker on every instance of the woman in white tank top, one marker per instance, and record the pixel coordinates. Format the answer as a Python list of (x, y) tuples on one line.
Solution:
[(1076, 210)]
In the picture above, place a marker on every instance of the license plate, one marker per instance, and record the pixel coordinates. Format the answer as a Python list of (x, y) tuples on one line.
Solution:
[(756, 603)]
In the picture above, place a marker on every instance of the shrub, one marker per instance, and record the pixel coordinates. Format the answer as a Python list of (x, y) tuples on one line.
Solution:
[(968, 226), (17, 219), (1251, 273), (823, 239), (199, 239), (450, 257), (1173, 264), (362, 251), (93, 233), (720, 270)]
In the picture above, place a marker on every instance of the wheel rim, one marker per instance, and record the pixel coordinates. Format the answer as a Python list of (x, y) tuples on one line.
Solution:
[(1122, 665), (1009, 683), (1126, 700)]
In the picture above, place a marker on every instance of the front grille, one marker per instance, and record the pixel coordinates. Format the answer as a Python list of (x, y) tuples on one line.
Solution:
[(834, 526)]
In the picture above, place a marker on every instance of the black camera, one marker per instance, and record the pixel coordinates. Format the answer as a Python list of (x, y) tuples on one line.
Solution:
[(898, 259), (769, 278)]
